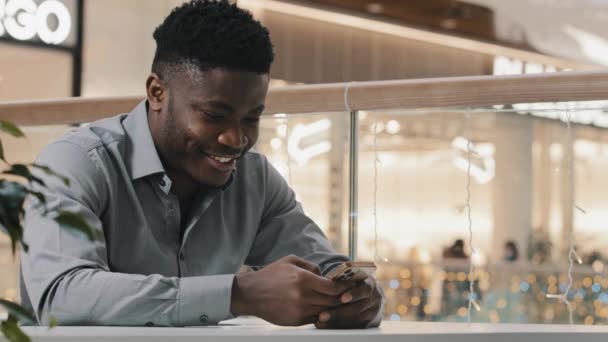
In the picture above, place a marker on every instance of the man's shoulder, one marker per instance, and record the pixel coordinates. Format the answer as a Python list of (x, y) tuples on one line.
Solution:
[(83, 147), (256, 170), (96, 134)]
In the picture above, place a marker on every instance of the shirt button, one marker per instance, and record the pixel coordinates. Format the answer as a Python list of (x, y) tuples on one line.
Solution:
[(149, 324), (204, 318), (171, 207), (182, 256), (162, 182)]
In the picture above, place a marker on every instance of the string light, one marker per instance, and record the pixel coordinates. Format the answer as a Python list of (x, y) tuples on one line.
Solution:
[(377, 161), (572, 254), (571, 165), (287, 150), (471, 297)]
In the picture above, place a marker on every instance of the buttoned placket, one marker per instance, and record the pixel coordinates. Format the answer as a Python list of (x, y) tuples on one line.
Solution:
[(173, 220)]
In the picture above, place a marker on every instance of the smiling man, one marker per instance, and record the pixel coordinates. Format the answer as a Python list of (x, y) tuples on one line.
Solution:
[(182, 203)]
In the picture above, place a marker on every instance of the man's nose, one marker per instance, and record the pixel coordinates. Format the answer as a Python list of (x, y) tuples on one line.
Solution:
[(233, 137)]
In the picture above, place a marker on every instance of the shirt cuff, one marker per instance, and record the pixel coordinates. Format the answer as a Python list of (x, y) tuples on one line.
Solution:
[(205, 300)]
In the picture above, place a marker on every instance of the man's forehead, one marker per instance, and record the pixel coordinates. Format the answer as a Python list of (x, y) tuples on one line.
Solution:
[(219, 79), (188, 74)]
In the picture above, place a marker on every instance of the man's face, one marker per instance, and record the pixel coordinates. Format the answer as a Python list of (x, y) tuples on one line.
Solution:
[(207, 121)]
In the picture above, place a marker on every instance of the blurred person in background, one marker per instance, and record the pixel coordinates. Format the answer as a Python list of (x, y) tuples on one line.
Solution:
[(511, 252), (456, 250)]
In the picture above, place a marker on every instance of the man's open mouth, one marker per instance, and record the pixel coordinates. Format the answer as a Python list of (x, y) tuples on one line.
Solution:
[(222, 159), (222, 163)]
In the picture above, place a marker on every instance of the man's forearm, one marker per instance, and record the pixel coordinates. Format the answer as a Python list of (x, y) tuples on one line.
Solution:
[(96, 297)]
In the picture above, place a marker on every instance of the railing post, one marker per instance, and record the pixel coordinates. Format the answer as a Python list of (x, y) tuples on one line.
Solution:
[(353, 184)]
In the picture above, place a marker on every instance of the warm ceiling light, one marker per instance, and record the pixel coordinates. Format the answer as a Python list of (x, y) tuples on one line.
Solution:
[(449, 24), (375, 8)]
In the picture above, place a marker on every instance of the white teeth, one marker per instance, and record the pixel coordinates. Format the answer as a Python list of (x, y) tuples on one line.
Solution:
[(221, 159)]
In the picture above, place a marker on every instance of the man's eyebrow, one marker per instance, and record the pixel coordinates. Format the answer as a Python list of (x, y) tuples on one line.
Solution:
[(225, 106), (216, 105)]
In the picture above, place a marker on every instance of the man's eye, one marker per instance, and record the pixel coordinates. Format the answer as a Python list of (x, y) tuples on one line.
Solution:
[(252, 120), (212, 115)]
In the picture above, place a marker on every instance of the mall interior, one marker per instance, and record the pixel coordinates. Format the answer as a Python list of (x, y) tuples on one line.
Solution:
[(530, 173)]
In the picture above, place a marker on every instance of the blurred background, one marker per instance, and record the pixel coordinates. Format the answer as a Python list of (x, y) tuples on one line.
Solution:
[(412, 163)]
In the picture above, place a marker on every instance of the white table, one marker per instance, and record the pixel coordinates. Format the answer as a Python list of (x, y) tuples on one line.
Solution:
[(254, 330)]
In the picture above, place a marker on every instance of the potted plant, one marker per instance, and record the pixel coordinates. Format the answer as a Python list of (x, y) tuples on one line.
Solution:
[(13, 194)]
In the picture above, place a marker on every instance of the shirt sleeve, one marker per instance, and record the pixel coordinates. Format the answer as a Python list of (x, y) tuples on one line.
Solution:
[(285, 229), (67, 276)]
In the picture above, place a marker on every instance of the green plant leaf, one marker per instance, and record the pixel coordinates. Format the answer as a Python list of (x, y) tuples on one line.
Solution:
[(13, 227), (22, 171), (2, 152), (19, 312), (15, 236), (11, 129), (48, 171), (76, 222), (10, 329), (12, 195), (53, 322)]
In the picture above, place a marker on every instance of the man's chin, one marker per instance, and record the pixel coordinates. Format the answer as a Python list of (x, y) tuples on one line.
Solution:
[(206, 175)]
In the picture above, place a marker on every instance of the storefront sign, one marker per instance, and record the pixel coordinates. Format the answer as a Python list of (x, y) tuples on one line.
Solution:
[(301, 132), (24, 20)]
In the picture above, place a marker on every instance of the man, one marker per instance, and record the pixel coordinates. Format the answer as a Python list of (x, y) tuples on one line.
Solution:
[(182, 204)]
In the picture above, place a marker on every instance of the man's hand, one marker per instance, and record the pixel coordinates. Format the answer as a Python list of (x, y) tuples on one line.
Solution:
[(360, 308), (290, 291)]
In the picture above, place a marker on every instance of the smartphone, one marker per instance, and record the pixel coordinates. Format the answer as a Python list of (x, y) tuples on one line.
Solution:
[(352, 270)]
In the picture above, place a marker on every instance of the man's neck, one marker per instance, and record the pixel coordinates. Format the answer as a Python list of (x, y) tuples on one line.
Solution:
[(183, 187)]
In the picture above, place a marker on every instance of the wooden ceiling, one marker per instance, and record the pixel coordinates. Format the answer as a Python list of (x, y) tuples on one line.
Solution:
[(449, 16)]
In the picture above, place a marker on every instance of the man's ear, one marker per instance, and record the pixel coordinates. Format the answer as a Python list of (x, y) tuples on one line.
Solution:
[(155, 92)]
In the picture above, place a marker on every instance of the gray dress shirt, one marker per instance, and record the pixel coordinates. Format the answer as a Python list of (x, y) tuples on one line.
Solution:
[(141, 273)]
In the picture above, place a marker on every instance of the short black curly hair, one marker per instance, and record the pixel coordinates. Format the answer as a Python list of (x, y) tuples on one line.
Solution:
[(211, 34)]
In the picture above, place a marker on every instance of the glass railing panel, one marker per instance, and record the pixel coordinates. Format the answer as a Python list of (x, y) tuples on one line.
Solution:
[(522, 193), (311, 153)]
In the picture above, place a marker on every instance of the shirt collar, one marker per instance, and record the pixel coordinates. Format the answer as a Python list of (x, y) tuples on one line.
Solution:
[(231, 179), (142, 158)]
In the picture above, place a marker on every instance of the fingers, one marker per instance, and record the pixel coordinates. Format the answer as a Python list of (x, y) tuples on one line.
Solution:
[(343, 313), (322, 300), (361, 311), (317, 282), (314, 280), (303, 263), (331, 287), (362, 291), (325, 286), (358, 315)]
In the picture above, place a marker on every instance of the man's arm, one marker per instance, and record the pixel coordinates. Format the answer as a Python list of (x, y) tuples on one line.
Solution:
[(67, 276), (285, 229)]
